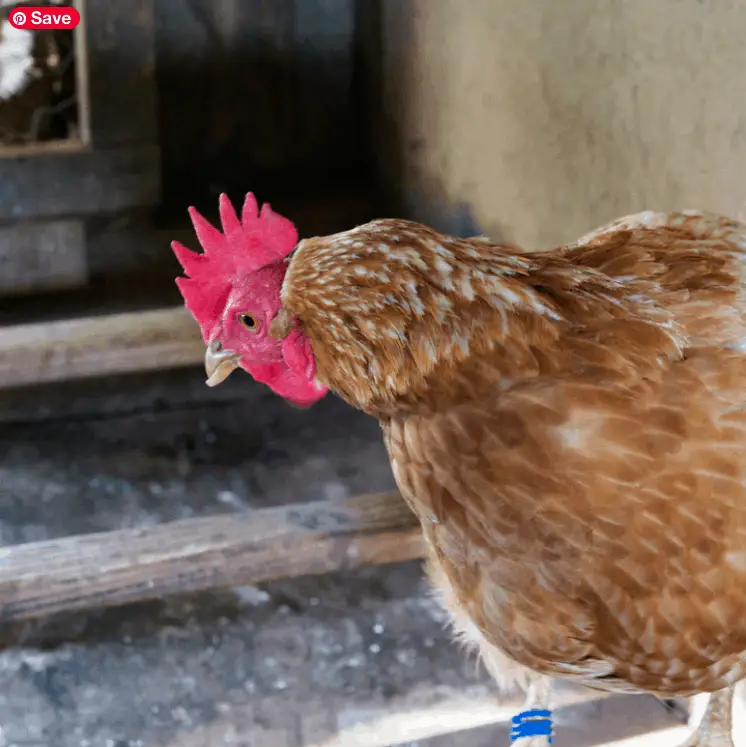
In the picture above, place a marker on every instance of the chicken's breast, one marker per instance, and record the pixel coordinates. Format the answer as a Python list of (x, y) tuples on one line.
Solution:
[(593, 532)]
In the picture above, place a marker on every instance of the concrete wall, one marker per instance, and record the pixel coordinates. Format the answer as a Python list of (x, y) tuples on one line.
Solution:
[(540, 119)]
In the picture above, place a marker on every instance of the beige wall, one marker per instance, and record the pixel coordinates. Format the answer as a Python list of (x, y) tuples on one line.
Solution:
[(549, 117)]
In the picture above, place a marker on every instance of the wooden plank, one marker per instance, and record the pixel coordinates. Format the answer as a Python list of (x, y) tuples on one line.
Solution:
[(129, 565), (44, 148), (97, 346), (79, 183), (582, 718), (417, 714), (120, 65), (449, 720), (42, 257)]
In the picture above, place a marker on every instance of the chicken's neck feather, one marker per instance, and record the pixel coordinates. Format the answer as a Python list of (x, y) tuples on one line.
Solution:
[(403, 319)]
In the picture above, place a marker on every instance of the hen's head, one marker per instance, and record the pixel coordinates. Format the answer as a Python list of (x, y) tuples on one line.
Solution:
[(233, 290)]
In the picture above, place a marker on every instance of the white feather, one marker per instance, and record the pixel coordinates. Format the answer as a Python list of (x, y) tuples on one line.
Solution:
[(16, 60)]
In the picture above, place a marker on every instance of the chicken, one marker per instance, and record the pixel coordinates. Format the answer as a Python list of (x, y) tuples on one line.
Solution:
[(569, 426)]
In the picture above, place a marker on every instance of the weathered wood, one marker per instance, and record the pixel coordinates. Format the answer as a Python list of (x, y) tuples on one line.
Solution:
[(120, 41), (94, 346), (42, 257), (477, 717), (129, 565), (79, 183), (40, 149), (582, 718)]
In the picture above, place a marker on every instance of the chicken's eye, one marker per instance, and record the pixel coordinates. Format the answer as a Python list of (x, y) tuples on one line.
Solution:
[(248, 321)]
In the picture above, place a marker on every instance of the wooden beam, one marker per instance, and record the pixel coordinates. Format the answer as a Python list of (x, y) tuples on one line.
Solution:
[(93, 346), (66, 181), (582, 718), (129, 565), (455, 718)]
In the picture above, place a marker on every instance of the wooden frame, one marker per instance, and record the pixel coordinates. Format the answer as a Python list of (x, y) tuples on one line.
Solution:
[(115, 163), (68, 145), (112, 167), (81, 75), (115, 59), (94, 182)]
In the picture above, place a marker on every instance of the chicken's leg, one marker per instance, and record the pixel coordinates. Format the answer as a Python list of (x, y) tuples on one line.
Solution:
[(538, 692), (716, 727), (537, 698)]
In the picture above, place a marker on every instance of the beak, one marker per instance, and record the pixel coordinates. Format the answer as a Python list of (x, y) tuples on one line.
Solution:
[(219, 363)]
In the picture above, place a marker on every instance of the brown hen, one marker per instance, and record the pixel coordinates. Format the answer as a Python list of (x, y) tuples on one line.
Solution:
[(569, 427)]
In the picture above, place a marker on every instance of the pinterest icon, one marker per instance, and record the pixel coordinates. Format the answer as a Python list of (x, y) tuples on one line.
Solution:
[(31, 18)]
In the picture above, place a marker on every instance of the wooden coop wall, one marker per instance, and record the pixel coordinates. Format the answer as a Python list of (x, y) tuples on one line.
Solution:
[(256, 94), (539, 121), (53, 190), (183, 99)]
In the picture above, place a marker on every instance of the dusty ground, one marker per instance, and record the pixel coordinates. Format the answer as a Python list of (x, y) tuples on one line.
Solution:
[(286, 665)]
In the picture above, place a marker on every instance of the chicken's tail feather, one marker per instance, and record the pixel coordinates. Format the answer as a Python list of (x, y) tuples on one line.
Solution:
[(703, 224)]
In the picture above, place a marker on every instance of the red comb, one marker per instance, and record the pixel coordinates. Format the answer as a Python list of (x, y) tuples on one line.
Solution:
[(260, 238)]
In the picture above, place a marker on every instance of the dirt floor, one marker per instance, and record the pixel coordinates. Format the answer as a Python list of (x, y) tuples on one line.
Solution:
[(290, 664)]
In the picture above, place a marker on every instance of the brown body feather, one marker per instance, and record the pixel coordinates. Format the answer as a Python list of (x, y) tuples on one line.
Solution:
[(570, 428)]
